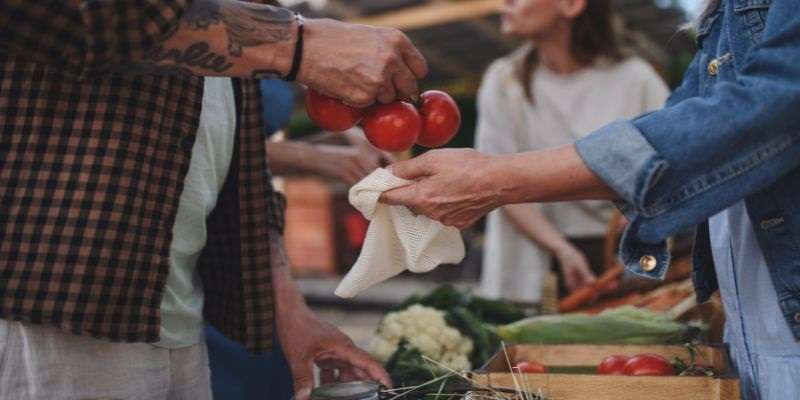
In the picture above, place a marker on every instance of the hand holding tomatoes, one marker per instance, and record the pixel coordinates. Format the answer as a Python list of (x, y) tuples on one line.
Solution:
[(395, 126)]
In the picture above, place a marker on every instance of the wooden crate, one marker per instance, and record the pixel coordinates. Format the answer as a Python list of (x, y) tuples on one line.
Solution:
[(557, 386)]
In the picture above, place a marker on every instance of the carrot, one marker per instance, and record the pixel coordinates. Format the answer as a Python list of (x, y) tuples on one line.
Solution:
[(586, 294)]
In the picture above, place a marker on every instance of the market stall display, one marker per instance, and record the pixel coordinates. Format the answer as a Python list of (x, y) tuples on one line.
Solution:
[(450, 341), (658, 372)]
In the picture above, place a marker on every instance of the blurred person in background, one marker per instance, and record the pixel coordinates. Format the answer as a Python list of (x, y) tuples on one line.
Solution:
[(569, 77)]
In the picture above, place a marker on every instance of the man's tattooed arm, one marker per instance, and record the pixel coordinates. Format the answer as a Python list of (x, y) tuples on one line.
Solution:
[(287, 295), (246, 24), (213, 38)]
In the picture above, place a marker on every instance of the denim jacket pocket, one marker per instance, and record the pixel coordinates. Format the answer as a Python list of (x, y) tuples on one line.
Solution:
[(753, 14)]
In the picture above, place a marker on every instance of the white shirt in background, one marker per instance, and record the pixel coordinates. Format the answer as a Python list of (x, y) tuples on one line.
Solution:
[(565, 108)]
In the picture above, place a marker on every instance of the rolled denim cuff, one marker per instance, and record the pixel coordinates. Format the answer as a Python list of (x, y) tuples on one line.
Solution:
[(621, 156), (637, 255)]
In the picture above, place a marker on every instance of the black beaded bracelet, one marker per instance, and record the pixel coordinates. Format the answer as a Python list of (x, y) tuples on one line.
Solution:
[(298, 50)]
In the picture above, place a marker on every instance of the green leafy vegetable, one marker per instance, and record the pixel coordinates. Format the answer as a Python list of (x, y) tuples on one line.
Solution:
[(408, 369), (485, 342), (495, 311), (447, 297)]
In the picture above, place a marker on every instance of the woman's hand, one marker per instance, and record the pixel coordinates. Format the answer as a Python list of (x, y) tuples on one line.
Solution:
[(349, 164), (454, 186), (575, 267), (459, 186)]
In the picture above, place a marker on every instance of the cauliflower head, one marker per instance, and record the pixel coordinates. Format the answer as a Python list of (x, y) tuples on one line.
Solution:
[(424, 328)]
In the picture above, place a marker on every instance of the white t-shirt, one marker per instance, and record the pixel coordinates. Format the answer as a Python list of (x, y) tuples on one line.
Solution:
[(565, 108), (182, 304)]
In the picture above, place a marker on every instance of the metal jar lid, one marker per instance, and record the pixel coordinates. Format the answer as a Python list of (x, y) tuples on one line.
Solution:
[(358, 390)]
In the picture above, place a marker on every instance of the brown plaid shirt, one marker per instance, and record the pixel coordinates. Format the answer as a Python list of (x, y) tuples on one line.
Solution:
[(91, 171)]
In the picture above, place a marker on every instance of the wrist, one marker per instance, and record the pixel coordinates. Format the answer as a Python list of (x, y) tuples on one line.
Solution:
[(297, 55), (309, 159), (310, 32), (283, 54), (561, 248), (320, 161), (502, 174)]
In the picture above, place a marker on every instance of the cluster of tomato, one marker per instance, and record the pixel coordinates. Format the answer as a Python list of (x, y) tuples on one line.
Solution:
[(397, 126), (639, 365)]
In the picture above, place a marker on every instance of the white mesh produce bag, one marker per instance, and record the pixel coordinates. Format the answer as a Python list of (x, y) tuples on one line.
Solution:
[(397, 240)]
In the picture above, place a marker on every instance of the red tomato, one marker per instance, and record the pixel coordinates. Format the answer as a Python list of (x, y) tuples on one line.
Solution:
[(440, 118), (331, 114), (530, 367), (392, 127), (355, 226), (612, 365), (648, 365)]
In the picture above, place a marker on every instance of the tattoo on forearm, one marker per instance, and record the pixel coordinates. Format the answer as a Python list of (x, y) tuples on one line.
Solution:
[(163, 61), (197, 55), (246, 24)]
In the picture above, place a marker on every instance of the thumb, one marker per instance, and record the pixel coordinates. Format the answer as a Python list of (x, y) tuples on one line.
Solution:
[(411, 169), (402, 196), (303, 383)]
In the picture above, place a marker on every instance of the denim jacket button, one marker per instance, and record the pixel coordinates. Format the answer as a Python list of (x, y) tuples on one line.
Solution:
[(648, 263), (797, 317), (713, 67)]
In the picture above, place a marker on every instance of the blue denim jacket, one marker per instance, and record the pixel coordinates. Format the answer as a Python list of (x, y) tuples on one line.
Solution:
[(731, 131)]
